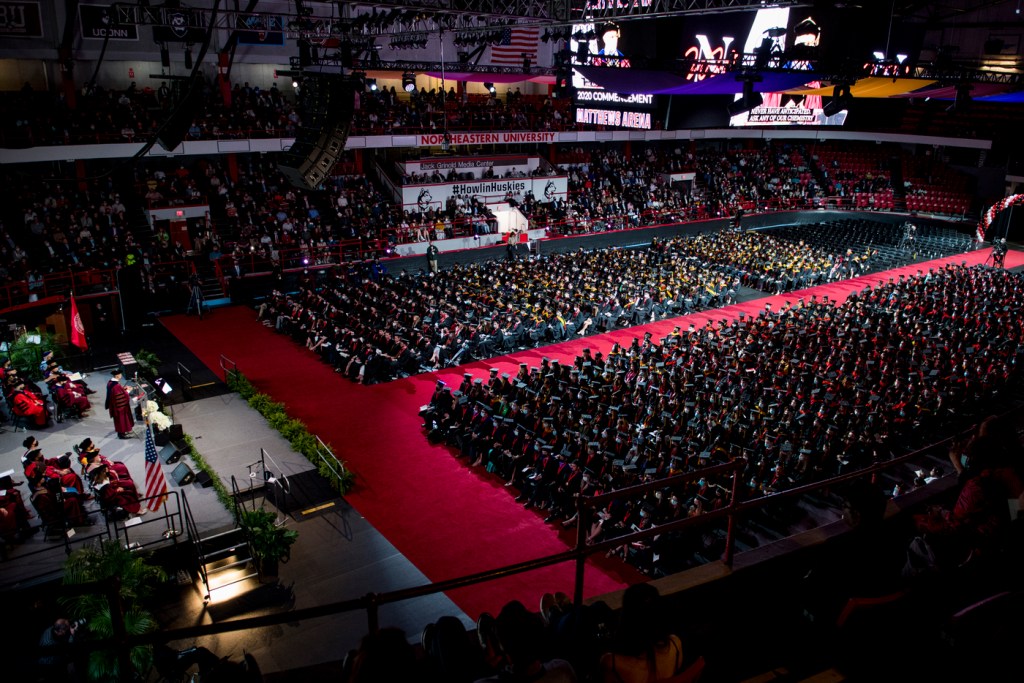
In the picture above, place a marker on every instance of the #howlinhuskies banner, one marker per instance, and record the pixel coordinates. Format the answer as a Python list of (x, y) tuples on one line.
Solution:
[(488, 190)]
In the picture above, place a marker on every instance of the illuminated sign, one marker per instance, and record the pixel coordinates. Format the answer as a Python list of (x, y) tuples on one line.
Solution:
[(703, 52), (509, 138), (614, 117)]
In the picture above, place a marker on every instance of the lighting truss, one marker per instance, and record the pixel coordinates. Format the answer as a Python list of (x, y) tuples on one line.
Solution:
[(331, 62), (598, 10)]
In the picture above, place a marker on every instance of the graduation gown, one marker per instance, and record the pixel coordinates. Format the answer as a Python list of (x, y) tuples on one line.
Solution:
[(119, 405)]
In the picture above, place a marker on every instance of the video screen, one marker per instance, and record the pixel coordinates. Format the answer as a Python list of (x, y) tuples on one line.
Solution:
[(607, 45)]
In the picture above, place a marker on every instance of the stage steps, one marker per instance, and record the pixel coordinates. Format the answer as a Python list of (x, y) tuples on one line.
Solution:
[(226, 558)]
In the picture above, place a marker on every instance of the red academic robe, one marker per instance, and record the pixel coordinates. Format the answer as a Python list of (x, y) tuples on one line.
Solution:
[(30, 405), (119, 405)]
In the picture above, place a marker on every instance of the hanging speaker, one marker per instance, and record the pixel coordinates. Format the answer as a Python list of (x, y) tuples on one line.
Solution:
[(174, 129), (327, 105), (183, 474)]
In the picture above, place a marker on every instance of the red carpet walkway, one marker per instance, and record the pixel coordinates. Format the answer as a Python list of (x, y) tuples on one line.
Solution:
[(447, 519)]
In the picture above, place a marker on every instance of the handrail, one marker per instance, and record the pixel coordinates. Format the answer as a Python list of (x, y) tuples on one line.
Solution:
[(327, 457), (268, 476), (197, 547), (228, 371), (186, 378)]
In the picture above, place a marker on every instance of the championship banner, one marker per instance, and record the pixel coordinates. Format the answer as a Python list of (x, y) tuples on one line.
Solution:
[(98, 21), (260, 29), (497, 138), (489, 190), (20, 20)]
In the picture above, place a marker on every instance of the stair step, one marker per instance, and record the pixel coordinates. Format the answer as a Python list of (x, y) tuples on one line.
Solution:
[(210, 571)]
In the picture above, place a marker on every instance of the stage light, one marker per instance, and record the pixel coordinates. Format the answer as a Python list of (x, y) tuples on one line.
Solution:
[(841, 99), (748, 100), (371, 83), (490, 88), (409, 81)]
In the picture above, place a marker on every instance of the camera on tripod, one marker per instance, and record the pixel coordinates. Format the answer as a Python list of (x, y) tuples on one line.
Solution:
[(999, 250)]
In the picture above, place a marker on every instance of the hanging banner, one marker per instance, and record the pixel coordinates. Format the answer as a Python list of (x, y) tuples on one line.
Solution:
[(259, 29), (20, 20), (489, 190), (97, 21), (181, 25)]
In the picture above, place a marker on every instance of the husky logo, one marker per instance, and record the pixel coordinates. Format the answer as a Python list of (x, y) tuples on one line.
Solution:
[(550, 191), (178, 23), (424, 200)]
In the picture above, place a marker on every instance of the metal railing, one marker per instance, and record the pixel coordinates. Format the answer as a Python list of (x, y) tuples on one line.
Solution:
[(229, 368)]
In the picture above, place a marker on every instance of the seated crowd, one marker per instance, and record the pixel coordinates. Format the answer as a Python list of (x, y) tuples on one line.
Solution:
[(375, 326), (61, 491), (558, 643), (258, 222), (478, 311), (133, 114), (806, 392)]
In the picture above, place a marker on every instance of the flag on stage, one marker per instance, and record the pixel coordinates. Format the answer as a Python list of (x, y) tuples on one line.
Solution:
[(156, 484), (516, 42), (77, 328)]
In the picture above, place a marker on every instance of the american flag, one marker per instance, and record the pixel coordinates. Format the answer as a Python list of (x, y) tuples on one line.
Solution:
[(156, 484), (515, 42)]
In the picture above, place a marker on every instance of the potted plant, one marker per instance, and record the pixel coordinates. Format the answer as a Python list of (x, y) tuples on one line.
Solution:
[(138, 579), (269, 543)]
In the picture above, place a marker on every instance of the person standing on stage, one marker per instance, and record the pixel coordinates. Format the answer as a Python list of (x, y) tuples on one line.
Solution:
[(119, 405)]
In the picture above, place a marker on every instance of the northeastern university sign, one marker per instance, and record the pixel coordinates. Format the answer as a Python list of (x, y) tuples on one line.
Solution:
[(498, 138)]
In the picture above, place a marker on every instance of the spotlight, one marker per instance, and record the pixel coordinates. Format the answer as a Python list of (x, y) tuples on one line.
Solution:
[(371, 83), (305, 261), (490, 88), (295, 84), (748, 100), (408, 81)]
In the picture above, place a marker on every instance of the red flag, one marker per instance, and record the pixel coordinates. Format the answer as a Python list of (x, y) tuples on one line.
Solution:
[(156, 483), (77, 328)]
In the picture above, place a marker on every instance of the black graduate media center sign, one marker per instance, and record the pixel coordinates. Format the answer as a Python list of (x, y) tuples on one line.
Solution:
[(20, 20), (99, 21)]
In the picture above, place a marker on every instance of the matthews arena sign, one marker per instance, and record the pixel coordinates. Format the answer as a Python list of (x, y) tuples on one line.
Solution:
[(495, 138)]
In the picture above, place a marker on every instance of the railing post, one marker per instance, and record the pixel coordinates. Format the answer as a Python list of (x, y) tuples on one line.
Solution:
[(730, 534), (581, 543), (372, 612)]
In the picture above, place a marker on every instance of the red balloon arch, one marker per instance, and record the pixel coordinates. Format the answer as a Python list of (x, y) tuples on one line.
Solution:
[(993, 211)]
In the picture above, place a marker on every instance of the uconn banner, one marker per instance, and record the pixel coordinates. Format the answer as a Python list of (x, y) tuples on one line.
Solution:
[(488, 190)]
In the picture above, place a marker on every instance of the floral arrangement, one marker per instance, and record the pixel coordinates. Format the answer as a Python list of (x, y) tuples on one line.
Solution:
[(156, 418)]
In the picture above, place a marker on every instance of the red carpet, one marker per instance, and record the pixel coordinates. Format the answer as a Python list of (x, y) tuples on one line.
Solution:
[(447, 519)]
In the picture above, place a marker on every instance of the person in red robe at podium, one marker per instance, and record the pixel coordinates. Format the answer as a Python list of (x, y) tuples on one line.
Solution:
[(119, 405)]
